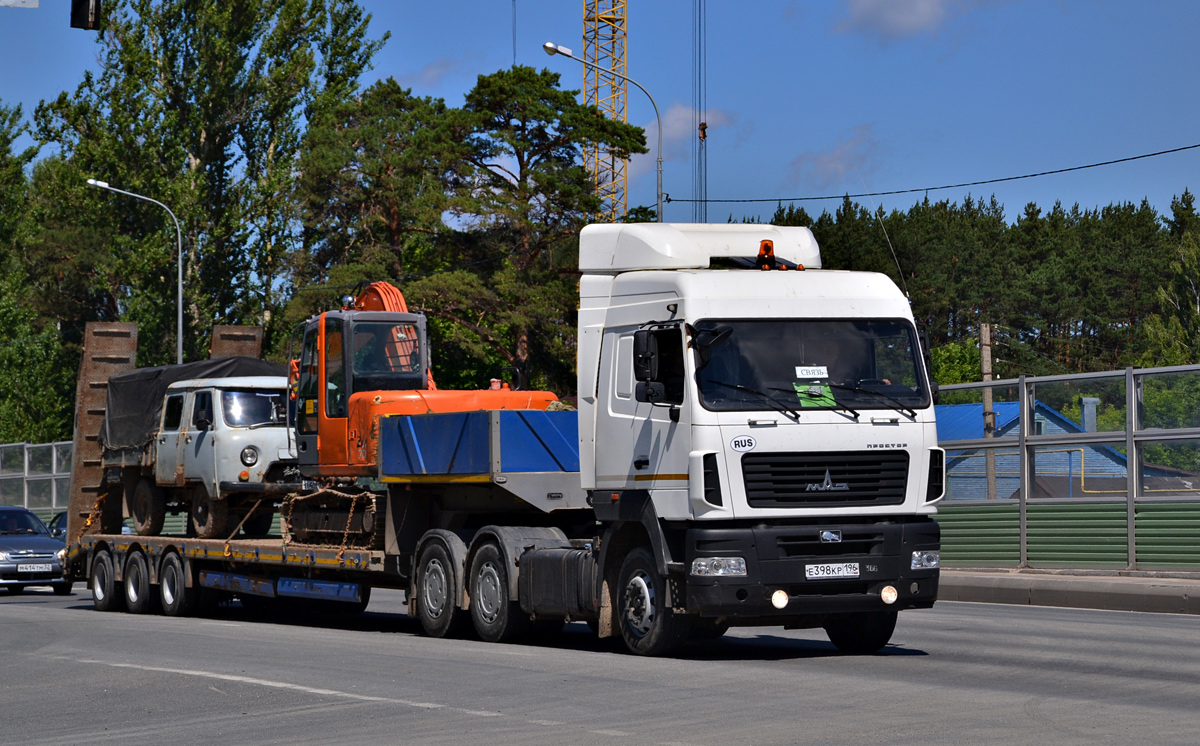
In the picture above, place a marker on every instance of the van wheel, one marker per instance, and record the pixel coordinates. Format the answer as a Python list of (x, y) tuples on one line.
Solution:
[(437, 592), (861, 633), (210, 517), (148, 509), (648, 624), (138, 596), (497, 618), (259, 524), (106, 591), (176, 598)]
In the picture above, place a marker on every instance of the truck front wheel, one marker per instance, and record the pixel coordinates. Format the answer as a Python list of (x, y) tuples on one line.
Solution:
[(497, 618), (106, 591), (436, 593), (210, 516), (648, 625), (148, 509), (862, 632)]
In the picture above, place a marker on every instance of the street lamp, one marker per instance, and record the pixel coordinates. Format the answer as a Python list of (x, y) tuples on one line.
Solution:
[(178, 255), (553, 49)]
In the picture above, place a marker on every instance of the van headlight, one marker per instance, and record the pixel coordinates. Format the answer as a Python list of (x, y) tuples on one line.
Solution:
[(719, 566), (249, 455)]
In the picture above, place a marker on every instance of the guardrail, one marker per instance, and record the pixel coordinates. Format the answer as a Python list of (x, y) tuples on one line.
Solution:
[(36, 476), (1090, 470)]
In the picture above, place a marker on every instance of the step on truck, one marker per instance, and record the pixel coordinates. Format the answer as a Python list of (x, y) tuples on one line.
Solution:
[(754, 445)]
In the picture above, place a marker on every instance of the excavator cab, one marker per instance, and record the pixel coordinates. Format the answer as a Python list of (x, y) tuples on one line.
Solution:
[(346, 353)]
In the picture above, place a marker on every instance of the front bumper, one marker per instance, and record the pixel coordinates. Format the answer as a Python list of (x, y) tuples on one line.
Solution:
[(776, 557), (11, 576)]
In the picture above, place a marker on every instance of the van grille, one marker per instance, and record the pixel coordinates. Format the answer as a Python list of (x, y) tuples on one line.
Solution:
[(840, 478)]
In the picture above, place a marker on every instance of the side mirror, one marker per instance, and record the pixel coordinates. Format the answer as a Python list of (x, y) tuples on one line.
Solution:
[(645, 356), (651, 392), (203, 421), (927, 356)]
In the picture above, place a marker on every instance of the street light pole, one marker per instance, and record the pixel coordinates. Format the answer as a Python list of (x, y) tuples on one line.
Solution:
[(553, 49), (178, 255)]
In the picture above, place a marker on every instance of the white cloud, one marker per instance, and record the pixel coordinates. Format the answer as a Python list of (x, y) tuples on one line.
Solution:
[(431, 74), (678, 135), (839, 165), (895, 19)]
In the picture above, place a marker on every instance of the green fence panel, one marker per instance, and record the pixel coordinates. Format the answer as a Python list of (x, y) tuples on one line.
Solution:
[(1077, 535), (980, 535), (1168, 535)]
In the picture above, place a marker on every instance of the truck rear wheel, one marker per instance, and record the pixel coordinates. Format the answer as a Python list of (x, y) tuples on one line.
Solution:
[(138, 596), (862, 632), (106, 591), (177, 599), (497, 618), (648, 625), (436, 592), (147, 508), (210, 517)]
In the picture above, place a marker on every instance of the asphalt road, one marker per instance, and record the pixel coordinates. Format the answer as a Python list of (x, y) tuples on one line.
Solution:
[(957, 674)]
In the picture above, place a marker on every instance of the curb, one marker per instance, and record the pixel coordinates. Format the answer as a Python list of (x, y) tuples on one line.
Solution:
[(1114, 593)]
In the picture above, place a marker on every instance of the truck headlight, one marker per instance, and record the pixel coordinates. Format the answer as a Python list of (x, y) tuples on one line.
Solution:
[(926, 559), (719, 566), (249, 455)]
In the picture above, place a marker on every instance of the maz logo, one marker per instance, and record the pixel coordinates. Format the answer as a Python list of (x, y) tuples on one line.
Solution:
[(828, 485)]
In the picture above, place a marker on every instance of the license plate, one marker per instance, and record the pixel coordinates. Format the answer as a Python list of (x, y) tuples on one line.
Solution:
[(831, 570), (35, 568)]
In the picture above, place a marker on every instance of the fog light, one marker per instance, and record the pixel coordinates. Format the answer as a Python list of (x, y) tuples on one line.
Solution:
[(888, 594), (719, 566), (926, 559), (779, 599)]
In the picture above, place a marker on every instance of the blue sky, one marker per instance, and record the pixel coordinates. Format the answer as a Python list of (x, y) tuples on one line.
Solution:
[(815, 98)]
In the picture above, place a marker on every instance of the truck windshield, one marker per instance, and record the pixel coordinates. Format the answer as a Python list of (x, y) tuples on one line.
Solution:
[(251, 407), (387, 356), (846, 365)]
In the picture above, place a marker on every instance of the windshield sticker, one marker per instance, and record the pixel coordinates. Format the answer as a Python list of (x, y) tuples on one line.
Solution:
[(814, 395), (743, 443), (810, 372)]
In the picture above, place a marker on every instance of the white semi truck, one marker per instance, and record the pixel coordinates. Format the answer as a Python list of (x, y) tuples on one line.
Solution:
[(754, 445)]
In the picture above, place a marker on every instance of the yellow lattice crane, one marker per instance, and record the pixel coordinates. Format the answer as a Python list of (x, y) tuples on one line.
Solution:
[(605, 86)]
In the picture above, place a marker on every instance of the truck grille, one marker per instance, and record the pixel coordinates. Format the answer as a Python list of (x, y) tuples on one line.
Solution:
[(846, 478)]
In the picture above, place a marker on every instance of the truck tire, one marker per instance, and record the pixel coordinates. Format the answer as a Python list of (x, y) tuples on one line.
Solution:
[(147, 509), (436, 592), (497, 618), (106, 591), (176, 598), (210, 517), (139, 596), (648, 625), (259, 524), (862, 632)]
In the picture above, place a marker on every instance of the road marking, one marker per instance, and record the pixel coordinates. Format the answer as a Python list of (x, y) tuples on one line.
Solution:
[(544, 722), (619, 733)]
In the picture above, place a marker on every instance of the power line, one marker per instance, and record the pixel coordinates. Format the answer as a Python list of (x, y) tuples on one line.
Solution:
[(950, 186)]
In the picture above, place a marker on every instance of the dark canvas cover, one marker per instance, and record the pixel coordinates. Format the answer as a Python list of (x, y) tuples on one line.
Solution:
[(135, 399)]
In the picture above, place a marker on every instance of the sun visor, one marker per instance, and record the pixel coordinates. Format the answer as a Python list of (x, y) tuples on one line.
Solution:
[(621, 247)]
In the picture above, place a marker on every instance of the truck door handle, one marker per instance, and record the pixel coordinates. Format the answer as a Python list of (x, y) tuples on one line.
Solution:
[(188, 439), (641, 463)]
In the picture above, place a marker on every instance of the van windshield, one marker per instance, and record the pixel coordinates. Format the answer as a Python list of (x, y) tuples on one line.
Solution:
[(811, 364), (249, 407)]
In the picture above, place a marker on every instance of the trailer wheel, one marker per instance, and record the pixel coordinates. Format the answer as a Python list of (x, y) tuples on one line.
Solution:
[(861, 633), (148, 509), (497, 618), (138, 596), (177, 599), (436, 593), (648, 625), (106, 591), (210, 517)]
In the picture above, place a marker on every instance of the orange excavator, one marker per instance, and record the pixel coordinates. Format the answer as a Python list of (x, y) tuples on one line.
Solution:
[(368, 360)]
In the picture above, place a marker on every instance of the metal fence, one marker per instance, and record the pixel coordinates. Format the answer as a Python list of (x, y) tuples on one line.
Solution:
[(1090, 470), (36, 476)]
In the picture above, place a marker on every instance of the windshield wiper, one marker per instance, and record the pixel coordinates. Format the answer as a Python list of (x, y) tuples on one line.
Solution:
[(779, 406), (835, 406), (904, 408)]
